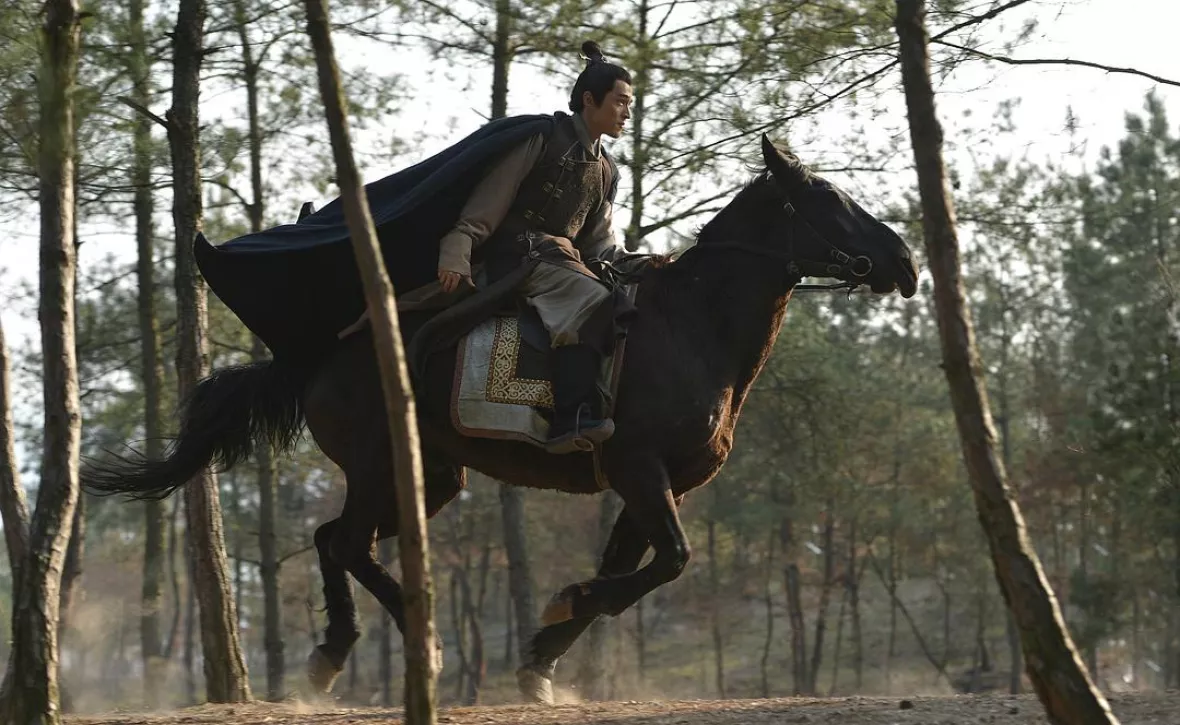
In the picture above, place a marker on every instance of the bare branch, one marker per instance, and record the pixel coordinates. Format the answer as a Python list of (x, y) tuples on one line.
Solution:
[(1058, 61), (143, 111)]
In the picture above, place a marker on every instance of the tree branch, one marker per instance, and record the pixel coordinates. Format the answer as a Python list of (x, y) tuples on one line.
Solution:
[(143, 111), (1058, 61)]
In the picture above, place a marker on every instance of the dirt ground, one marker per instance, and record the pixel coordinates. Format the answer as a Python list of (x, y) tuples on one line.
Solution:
[(1136, 709)]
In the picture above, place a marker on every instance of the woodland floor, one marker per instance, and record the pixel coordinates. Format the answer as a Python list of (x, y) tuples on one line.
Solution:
[(1131, 709)]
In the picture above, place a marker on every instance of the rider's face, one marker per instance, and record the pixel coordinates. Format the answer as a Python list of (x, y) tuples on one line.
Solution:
[(611, 115)]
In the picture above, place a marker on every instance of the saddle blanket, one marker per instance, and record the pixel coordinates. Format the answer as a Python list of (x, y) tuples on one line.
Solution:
[(502, 385)]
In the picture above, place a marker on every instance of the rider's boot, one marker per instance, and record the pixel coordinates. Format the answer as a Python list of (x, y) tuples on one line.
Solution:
[(578, 421)]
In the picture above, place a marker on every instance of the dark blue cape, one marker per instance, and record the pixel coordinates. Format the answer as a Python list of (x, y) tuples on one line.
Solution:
[(296, 285)]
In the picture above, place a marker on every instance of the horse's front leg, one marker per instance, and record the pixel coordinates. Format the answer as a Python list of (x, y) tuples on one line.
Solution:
[(623, 552), (642, 483)]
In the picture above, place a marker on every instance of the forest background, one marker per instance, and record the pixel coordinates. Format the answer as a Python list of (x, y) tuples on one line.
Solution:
[(837, 552)]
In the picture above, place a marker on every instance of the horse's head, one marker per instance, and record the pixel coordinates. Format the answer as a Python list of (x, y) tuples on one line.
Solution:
[(791, 214)]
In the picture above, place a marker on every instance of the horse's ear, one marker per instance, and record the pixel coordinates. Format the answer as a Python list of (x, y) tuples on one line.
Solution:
[(783, 167)]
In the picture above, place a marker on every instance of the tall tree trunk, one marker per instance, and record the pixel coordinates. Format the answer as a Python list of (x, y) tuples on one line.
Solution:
[(1057, 674), (269, 564), (151, 364), (792, 586), (174, 581), (825, 594), (591, 677), (225, 668), (190, 620), (501, 58), (640, 644), (237, 545), (420, 641), (14, 509), (839, 640), (30, 692), (768, 603), (520, 584), (71, 582), (460, 634), (853, 582), (385, 647), (264, 458), (473, 610), (638, 161), (715, 608)]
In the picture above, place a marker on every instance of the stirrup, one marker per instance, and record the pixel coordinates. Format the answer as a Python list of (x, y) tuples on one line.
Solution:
[(580, 439)]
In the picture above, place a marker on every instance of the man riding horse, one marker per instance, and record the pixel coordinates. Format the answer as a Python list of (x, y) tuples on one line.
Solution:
[(526, 198), (549, 199)]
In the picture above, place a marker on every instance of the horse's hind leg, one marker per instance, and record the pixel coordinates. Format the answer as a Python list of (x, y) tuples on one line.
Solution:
[(370, 512), (327, 660), (623, 552)]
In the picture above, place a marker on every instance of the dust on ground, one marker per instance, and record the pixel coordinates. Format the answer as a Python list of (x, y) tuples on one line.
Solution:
[(1160, 708)]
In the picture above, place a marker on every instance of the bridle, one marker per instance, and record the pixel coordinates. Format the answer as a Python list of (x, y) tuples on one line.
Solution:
[(839, 263)]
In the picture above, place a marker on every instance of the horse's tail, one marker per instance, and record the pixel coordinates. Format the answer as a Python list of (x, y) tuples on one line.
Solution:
[(220, 422)]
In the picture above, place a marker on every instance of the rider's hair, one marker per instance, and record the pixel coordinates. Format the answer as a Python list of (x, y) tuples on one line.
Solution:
[(598, 77)]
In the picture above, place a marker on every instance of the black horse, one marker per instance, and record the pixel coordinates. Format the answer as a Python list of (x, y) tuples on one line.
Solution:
[(706, 325)]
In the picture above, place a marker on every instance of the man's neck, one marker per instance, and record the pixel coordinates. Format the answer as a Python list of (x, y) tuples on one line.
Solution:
[(591, 136)]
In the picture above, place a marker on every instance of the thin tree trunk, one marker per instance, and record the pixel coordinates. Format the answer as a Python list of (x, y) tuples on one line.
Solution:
[(269, 567), (225, 668), (151, 364), (768, 603), (190, 621), (267, 470), (509, 628), (839, 640), (420, 642), (237, 545), (798, 634), (460, 636), (938, 665), (501, 58), (640, 643), (71, 580), (715, 606), (854, 574), (473, 609), (385, 647), (638, 160), (891, 585), (791, 586), (520, 583), (30, 690), (174, 581), (825, 595), (1056, 672), (591, 677), (14, 509)]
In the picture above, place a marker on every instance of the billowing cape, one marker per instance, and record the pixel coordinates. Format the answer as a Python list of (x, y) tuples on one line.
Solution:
[(296, 285)]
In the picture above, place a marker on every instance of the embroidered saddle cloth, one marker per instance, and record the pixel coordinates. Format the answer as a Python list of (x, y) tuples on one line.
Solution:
[(502, 385)]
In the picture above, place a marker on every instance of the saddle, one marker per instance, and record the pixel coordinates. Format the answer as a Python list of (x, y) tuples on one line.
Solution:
[(503, 387)]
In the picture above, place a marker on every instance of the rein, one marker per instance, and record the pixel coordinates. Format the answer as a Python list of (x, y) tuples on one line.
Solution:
[(840, 263)]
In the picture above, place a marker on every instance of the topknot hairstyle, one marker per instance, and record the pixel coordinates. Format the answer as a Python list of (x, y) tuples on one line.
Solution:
[(598, 77)]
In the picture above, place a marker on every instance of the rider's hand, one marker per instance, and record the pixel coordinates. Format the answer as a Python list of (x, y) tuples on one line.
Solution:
[(451, 280)]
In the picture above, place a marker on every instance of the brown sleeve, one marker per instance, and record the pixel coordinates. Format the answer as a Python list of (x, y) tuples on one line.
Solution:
[(486, 207)]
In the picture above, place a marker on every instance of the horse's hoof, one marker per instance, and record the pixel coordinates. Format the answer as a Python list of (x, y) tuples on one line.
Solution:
[(537, 688), (560, 609), (321, 672)]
